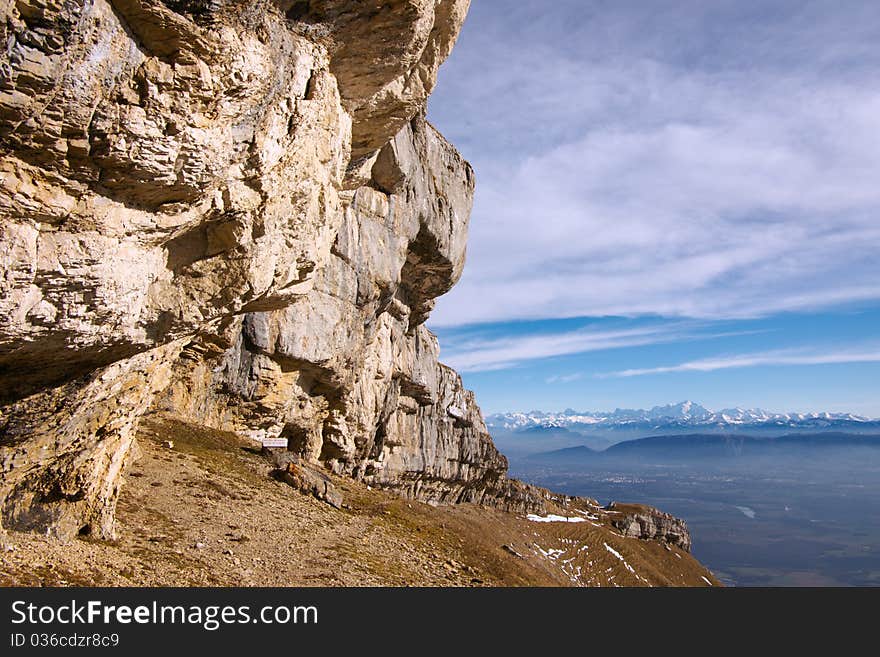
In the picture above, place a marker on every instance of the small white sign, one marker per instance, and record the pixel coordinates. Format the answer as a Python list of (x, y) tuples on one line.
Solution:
[(274, 442)]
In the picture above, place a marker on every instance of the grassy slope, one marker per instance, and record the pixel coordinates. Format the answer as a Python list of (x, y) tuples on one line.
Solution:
[(206, 512)]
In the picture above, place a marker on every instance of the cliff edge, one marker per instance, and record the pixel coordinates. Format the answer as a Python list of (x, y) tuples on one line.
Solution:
[(236, 215), (235, 212)]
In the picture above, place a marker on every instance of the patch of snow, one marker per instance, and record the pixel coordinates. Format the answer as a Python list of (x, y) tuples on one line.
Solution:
[(613, 551), (553, 518), (625, 564), (550, 553)]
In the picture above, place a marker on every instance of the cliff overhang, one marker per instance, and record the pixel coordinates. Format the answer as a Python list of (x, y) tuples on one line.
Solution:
[(234, 213)]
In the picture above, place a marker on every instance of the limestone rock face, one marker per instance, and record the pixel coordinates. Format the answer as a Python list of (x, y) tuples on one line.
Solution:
[(348, 374), (236, 211), (385, 57), (645, 522), (158, 176)]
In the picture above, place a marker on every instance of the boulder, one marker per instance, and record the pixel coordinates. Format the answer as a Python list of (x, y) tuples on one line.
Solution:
[(309, 480)]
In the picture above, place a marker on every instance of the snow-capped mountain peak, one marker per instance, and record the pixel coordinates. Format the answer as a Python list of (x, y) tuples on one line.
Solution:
[(681, 415)]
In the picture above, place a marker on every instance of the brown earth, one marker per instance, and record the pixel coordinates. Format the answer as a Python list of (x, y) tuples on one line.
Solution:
[(200, 508)]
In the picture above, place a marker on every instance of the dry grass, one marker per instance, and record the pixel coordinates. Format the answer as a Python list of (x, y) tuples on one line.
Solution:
[(206, 512)]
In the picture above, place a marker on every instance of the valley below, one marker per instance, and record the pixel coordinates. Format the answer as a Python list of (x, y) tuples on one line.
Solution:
[(774, 518)]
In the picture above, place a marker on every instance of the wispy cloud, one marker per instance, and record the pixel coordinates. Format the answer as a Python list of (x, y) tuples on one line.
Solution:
[(504, 353), (721, 164), (481, 355), (869, 354), (564, 378)]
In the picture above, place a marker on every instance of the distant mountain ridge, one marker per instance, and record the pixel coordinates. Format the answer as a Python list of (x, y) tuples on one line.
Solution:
[(684, 415), (685, 447)]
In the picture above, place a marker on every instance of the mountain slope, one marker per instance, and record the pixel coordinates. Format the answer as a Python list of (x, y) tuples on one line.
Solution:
[(205, 512)]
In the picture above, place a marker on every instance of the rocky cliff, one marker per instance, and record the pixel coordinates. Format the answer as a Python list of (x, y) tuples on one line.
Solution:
[(198, 509), (234, 212), (234, 216), (645, 522)]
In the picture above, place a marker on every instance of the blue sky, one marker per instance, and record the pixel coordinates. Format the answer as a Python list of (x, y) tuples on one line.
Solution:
[(674, 200)]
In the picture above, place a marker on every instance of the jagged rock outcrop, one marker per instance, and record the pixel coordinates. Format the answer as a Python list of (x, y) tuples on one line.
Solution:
[(348, 373), (239, 207), (645, 522)]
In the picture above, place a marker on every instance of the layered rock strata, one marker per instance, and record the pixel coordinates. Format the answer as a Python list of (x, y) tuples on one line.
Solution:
[(645, 522)]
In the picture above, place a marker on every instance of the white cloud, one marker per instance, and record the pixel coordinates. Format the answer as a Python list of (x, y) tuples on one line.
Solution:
[(864, 355), (481, 355), (564, 378), (651, 173)]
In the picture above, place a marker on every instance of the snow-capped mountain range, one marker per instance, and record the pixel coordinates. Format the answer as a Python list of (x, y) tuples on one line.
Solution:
[(686, 414)]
